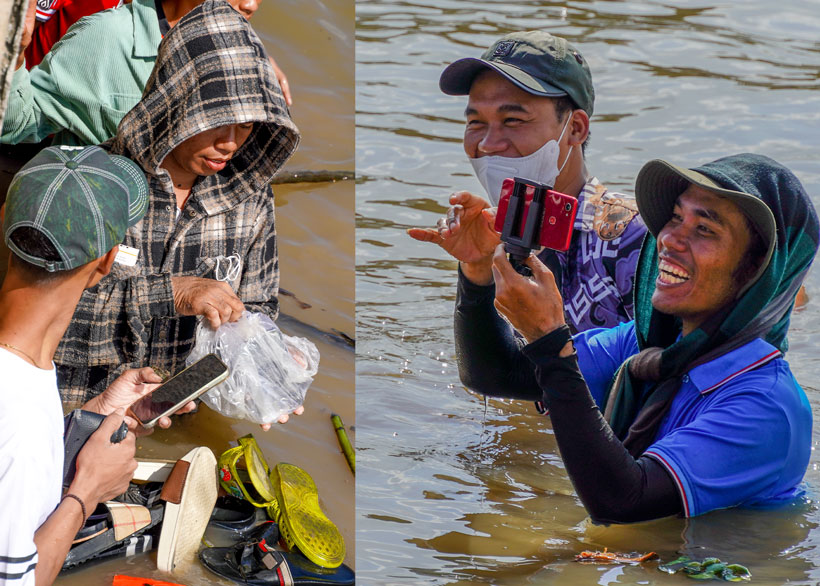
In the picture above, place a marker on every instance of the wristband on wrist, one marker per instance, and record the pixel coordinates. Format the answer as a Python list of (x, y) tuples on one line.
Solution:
[(79, 500), (551, 344)]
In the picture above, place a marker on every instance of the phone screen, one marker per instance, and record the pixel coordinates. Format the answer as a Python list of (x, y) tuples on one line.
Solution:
[(189, 384)]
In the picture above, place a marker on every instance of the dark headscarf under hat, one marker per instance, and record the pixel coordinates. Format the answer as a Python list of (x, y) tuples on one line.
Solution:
[(762, 311)]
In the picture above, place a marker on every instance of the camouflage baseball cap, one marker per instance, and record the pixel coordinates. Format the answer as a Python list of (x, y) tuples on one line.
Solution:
[(81, 198), (536, 61)]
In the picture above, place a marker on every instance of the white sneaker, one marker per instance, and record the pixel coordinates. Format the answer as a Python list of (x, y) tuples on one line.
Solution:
[(190, 495), (153, 470)]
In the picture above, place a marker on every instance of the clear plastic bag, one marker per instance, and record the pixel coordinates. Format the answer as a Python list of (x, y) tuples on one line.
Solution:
[(269, 371)]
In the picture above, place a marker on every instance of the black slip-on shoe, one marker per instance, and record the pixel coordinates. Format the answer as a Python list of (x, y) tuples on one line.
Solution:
[(257, 563), (237, 515)]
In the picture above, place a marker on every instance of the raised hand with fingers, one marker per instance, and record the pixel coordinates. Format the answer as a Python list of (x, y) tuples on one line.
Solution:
[(532, 305), (467, 232)]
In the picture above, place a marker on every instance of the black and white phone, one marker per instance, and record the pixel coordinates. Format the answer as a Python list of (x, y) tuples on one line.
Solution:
[(187, 385)]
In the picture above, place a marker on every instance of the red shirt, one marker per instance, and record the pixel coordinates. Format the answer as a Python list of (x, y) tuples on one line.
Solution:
[(55, 17)]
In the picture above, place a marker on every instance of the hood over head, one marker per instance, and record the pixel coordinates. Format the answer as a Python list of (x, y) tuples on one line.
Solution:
[(212, 70)]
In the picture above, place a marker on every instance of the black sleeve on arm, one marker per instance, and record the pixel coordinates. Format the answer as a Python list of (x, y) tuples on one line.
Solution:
[(614, 486), (490, 361)]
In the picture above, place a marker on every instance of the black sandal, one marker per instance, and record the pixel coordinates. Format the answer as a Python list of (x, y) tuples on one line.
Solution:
[(147, 494), (257, 563), (237, 515)]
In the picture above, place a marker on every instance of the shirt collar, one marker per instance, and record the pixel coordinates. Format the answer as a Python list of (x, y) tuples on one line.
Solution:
[(712, 375), (585, 218), (147, 36)]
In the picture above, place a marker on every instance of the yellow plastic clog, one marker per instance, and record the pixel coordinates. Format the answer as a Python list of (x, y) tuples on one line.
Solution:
[(302, 523), (251, 478)]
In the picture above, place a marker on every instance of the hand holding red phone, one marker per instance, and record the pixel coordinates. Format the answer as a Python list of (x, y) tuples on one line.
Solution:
[(532, 215), (533, 305)]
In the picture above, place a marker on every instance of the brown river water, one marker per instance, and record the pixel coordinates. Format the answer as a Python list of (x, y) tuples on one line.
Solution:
[(455, 491), (313, 43)]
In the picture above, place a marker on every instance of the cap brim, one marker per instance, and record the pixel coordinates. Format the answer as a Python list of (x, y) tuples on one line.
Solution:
[(457, 78), (659, 184)]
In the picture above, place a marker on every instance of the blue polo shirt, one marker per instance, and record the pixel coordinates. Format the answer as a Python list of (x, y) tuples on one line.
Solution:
[(738, 432)]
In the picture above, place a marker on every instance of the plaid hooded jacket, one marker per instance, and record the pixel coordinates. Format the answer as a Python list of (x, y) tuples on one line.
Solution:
[(211, 71)]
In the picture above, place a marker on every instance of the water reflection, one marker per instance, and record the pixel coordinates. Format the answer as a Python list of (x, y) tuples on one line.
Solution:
[(451, 493)]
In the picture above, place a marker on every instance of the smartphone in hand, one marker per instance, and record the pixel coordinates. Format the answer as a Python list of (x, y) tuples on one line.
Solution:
[(187, 385), (553, 229)]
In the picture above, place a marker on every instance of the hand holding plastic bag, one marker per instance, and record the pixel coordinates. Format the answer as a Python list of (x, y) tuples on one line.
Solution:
[(270, 372)]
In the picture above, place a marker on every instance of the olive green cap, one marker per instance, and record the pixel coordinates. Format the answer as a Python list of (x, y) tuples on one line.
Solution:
[(81, 198), (536, 61)]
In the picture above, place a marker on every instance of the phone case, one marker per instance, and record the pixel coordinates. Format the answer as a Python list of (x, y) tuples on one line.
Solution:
[(560, 210), (559, 218), (504, 203)]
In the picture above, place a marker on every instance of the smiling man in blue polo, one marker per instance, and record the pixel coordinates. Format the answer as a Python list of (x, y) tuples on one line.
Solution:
[(691, 407)]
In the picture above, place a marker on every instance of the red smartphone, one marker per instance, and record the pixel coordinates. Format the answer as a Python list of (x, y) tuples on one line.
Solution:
[(559, 214)]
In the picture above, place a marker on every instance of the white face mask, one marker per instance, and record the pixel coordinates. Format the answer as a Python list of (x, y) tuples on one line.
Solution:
[(541, 166)]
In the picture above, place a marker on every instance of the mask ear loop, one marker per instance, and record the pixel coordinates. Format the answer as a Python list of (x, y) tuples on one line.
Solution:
[(569, 152), (232, 271), (234, 267)]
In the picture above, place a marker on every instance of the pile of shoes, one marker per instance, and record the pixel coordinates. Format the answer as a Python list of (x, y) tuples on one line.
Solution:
[(172, 503), (153, 512), (289, 496), (115, 530)]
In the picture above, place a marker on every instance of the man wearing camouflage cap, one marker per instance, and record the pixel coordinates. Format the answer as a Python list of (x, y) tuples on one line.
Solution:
[(65, 214), (530, 101)]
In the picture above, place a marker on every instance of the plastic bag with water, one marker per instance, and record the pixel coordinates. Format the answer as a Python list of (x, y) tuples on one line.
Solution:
[(270, 372)]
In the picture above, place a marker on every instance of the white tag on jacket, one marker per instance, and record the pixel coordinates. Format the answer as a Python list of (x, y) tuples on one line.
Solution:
[(127, 256)]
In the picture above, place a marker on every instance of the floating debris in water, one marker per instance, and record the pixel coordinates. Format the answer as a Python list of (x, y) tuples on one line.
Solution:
[(344, 337), (708, 569), (344, 442), (307, 176), (611, 557), (302, 304)]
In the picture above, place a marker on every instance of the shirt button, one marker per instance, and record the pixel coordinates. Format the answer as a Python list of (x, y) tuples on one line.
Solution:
[(191, 213), (167, 208), (686, 378)]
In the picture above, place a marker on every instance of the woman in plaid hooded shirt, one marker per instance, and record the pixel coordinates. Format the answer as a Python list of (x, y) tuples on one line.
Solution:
[(210, 132)]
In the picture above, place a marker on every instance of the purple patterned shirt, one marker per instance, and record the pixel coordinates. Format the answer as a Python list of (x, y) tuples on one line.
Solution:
[(598, 270)]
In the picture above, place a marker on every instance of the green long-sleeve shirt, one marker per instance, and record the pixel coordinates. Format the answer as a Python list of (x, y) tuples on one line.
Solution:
[(88, 81)]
